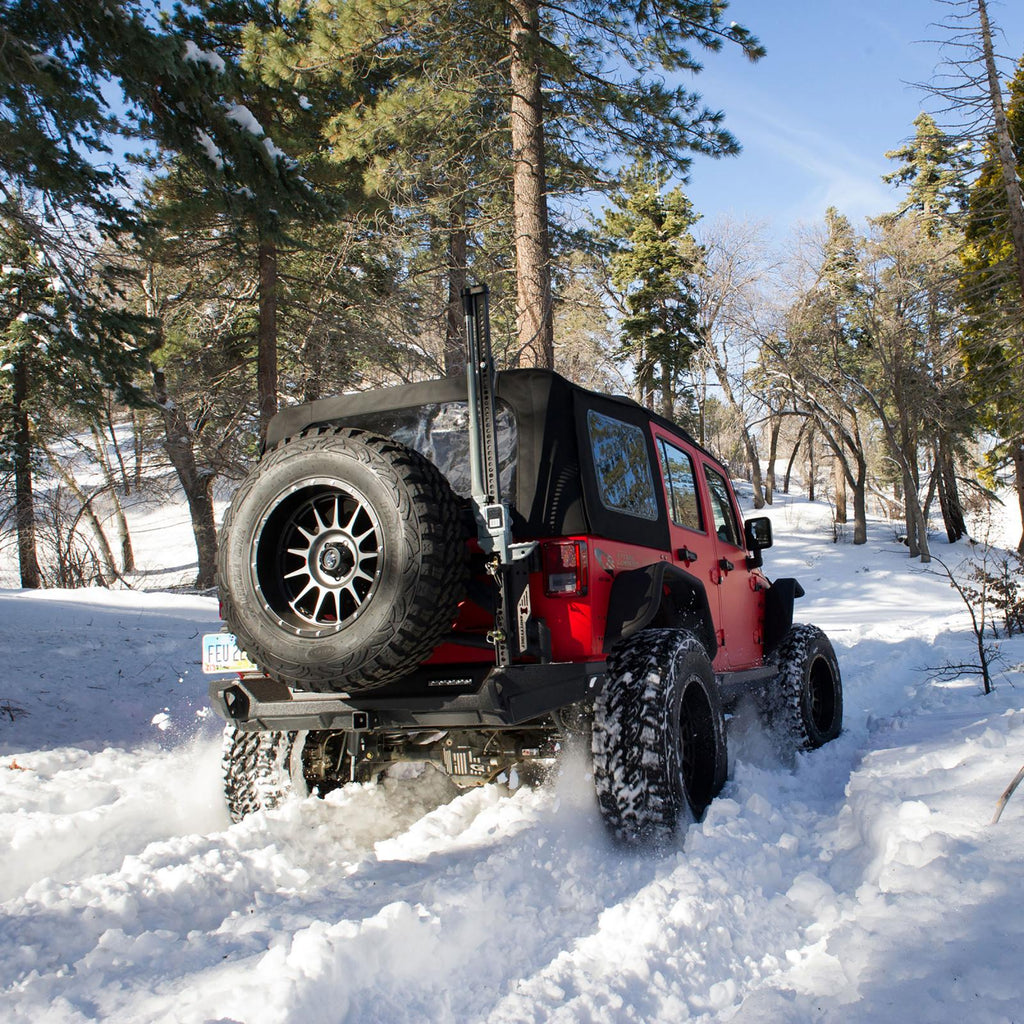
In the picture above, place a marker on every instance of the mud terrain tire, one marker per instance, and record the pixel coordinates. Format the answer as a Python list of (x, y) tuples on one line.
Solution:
[(659, 736), (805, 700), (342, 561), (261, 770)]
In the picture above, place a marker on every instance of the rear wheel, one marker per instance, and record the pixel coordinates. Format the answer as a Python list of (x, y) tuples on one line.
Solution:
[(261, 770), (264, 769), (659, 736)]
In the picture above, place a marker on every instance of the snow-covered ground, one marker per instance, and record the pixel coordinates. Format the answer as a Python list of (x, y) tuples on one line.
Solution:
[(861, 883)]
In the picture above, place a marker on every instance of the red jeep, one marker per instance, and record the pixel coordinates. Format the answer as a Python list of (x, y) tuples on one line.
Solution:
[(467, 571)]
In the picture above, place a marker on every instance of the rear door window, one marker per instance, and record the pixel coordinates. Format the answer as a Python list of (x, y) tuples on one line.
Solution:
[(625, 482)]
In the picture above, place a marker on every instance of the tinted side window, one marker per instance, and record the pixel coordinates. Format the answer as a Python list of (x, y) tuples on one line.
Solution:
[(681, 485), (721, 508), (625, 482)]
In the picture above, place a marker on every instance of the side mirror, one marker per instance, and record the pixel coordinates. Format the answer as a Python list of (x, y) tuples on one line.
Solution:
[(757, 534)]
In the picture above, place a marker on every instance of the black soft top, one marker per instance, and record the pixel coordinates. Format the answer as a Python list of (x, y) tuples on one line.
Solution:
[(552, 495)]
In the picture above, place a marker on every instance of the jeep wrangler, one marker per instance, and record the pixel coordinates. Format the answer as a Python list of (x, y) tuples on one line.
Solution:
[(468, 572)]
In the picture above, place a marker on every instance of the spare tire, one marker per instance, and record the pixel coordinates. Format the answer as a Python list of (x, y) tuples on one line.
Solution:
[(342, 560)]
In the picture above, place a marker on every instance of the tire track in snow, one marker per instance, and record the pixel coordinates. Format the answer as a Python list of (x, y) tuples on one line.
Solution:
[(861, 876)]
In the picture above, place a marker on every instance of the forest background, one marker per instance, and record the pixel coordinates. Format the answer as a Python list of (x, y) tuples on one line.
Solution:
[(211, 210)]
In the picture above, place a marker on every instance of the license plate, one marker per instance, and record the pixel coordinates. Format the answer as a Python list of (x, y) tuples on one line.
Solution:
[(222, 654)]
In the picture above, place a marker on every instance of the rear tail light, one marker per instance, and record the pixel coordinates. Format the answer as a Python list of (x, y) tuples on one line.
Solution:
[(565, 568)]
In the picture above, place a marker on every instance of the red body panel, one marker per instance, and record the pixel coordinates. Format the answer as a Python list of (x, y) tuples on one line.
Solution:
[(578, 622)]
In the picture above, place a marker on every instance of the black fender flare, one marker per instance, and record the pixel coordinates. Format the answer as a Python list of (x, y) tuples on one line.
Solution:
[(659, 594), (778, 611)]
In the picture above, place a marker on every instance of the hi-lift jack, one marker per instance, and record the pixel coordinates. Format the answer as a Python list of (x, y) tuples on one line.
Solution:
[(515, 633)]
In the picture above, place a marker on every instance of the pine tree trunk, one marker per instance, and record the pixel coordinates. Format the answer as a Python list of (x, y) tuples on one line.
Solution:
[(792, 458), (1004, 149), (839, 476), (1018, 465), (534, 317), (949, 492), (197, 484), (455, 329), (812, 469), (138, 447), (643, 381), (860, 504), (24, 501), (668, 396), (266, 335), (773, 453)]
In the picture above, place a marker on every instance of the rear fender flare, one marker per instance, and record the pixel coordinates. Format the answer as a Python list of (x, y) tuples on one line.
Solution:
[(660, 594)]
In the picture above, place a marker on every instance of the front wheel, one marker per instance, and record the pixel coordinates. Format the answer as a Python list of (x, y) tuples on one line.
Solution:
[(659, 736), (805, 700)]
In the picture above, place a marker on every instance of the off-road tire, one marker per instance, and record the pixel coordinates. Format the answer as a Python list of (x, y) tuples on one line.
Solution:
[(342, 560), (261, 770), (659, 736), (804, 702)]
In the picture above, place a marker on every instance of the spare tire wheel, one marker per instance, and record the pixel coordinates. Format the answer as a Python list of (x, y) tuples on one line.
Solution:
[(342, 560)]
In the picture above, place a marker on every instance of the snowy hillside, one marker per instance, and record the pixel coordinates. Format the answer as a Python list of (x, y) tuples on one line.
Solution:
[(862, 883)]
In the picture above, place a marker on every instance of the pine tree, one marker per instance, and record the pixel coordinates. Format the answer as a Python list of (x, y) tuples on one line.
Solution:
[(59, 350), (254, 161), (654, 259), (566, 70), (971, 87), (934, 170), (572, 87), (55, 133), (991, 289), (817, 358), (428, 129)]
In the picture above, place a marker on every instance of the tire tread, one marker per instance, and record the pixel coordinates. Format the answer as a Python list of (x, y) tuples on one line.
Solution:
[(433, 580)]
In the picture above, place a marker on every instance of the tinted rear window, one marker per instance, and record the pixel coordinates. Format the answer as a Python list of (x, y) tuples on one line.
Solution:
[(440, 433), (625, 482)]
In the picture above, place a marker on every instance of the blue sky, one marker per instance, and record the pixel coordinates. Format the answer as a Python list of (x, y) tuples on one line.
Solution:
[(816, 116)]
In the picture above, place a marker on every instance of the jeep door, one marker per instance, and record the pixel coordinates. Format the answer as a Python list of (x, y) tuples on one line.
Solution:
[(740, 595), (693, 546)]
